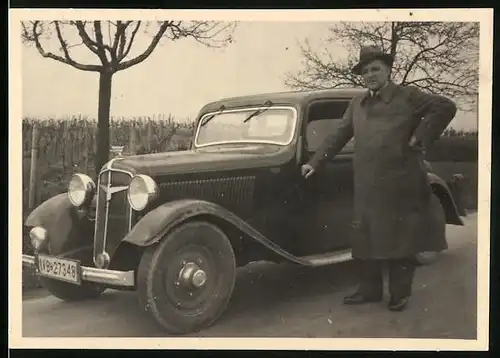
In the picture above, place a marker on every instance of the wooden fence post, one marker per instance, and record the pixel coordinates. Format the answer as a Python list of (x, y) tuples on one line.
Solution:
[(33, 169), (150, 134), (132, 138), (67, 147), (86, 147)]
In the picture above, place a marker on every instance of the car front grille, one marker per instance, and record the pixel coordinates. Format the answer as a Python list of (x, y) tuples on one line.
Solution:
[(114, 214)]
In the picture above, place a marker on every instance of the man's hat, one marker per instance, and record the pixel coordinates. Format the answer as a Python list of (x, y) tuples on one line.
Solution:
[(368, 54)]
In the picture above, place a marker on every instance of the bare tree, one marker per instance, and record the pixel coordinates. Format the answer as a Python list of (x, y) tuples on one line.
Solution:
[(111, 42), (439, 57)]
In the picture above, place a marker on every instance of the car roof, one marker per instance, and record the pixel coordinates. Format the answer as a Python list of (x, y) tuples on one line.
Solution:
[(281, 98)]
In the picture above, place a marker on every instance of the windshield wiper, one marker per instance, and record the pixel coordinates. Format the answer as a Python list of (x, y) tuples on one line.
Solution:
[(259, 111), (209, 118)]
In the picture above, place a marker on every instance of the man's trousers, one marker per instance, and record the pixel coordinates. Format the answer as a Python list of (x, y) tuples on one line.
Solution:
[(401, 273)]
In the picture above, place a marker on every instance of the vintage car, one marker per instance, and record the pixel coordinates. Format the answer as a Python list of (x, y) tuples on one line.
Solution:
[(175, 226)]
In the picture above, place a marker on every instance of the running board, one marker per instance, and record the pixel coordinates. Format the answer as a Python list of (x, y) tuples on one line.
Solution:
[(329, 258)]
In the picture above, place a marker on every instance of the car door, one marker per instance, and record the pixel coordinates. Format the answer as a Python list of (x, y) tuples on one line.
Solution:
[(328, 194)]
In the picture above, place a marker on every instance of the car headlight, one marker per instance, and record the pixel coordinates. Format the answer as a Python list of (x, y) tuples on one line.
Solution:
[(81, 189), (142, 190), (38, 235)]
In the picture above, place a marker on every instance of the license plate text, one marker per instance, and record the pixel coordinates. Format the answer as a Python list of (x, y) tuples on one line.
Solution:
[(59, 269)]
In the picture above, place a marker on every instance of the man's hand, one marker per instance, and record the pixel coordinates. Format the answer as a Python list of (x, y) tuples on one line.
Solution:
[(307, 170), (416, 145), (413, 141)]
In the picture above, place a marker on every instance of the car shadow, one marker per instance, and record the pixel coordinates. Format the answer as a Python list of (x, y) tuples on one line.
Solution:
[(261, 286), (259, 290)]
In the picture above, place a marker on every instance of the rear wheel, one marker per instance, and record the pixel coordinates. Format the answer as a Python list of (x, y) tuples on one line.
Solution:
[(186, 281), (429, 257)]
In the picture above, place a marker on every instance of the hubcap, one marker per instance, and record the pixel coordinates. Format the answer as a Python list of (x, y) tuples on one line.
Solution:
[(192, 275)]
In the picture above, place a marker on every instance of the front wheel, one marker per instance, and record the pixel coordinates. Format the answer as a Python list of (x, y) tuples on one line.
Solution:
[(186, 281)]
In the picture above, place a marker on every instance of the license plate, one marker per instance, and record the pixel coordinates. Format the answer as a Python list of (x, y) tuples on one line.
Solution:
[(59, 268)]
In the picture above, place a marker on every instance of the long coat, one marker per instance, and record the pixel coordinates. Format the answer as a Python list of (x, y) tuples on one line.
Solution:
[(394, 209)]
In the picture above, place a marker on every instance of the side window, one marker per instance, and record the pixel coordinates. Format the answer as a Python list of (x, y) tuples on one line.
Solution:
[(324, 119)]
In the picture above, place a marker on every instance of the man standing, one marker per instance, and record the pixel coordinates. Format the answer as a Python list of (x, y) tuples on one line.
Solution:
[(392, 125)]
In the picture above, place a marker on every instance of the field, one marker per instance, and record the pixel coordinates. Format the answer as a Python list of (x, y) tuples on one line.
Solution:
[(67, 145)]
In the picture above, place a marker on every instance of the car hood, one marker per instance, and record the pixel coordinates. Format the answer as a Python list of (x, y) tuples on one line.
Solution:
[(203, 160)]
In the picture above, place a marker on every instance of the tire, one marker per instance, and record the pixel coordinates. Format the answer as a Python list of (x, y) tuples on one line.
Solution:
[(174, 302), (429, 257), (70, 292)]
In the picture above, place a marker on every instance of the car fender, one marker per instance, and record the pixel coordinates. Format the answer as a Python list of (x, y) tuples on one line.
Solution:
[(442, 191), (67, 228), (157, 223)]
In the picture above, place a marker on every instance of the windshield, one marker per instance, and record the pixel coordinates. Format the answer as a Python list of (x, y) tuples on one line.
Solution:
[(274, 125)]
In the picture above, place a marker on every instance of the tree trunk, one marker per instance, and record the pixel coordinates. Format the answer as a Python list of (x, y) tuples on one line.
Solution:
[(104, 106)]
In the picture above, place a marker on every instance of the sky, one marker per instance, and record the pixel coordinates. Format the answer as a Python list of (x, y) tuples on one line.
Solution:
[(179, 77)]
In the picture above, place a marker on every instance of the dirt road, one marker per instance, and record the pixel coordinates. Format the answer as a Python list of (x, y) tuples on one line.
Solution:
[(290, 301)]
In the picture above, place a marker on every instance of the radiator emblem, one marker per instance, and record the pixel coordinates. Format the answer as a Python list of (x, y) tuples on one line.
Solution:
[(112, 190)]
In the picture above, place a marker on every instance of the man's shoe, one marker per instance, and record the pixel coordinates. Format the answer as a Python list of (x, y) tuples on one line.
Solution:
[(398, 304), (358, 298)]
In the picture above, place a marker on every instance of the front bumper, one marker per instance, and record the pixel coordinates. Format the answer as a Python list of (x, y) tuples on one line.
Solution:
[(92, 274)]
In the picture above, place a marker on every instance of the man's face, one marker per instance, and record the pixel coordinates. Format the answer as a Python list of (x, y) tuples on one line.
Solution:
[(375, 74)]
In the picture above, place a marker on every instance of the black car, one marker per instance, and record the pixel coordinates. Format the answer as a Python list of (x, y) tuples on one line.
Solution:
[(175, 226)]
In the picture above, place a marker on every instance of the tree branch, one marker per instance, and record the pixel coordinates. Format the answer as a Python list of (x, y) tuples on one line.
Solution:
[(149, 50), (132, 37), (67, 59), (101, 47), (119, 30), (91, 44), (415, 59), (435, 56), (109, 31), (120, 40), (76, 45), (394, 39), (123, 41), (203, 32), (367, 32), (64, 45)]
